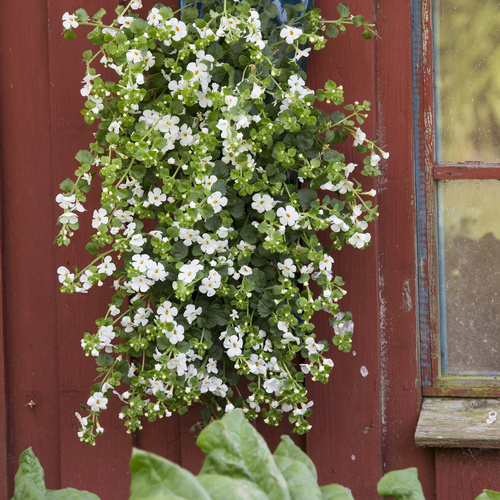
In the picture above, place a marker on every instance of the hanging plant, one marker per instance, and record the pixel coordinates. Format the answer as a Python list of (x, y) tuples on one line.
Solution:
[(211, 154)]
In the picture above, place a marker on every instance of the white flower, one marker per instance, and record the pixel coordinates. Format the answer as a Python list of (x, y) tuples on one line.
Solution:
[(359, 138), (217, 201), (359, 240), (262, 203), (64, 274), (176, 335), (233, 346), (100, 217), (179, 28), (290, 34), (134, 55), (107, 266), (326, 263), (374, 160), (287, 268), (273, 385), (156, 197), (136, 4), (312, 347), (69, 21), (68, 218), (288, 216), (167, 312), (187, 273), (125, 21), (245, 271), (191, 313), (256, 92), (207, 244), (154, 17), (97, 401)]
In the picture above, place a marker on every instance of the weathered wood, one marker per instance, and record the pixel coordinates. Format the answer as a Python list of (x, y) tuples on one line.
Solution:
[(346, 434), (459, 423), (463, 473), (466, 171), (397, 286)]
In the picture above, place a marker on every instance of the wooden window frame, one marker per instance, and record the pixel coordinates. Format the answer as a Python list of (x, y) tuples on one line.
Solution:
[(428, 173)]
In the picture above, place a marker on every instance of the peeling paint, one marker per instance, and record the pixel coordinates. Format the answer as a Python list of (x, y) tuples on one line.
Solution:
[(407, 300)]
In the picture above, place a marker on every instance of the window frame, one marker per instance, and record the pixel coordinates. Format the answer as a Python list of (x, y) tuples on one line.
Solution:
[(427, 174)]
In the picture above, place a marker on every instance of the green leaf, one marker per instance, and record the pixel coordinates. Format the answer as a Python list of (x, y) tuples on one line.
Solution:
[(238, 209), (332, 31), (335, 492), (213, 223), (301, 482), (92, 248), (271, 10), (69, 35), (488, 495), (189, 15), (307, 196), (180, 251), (67, 185), (234, 448), (226, 488), (289, 449), (30, 479), (401, 484), (70, 494), (343, 10), (154, 478), (82, 15), (138, 26)]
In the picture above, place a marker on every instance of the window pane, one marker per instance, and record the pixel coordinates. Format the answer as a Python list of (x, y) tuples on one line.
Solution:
[(467, 78), (469, 212)]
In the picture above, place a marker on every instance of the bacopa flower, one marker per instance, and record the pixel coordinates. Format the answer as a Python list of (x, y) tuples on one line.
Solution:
[(208, 210), (288, 216), (290, 34), (69, 21), (97, 402)]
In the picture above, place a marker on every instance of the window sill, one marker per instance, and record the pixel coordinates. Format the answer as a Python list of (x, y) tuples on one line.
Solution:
[(458, 423)]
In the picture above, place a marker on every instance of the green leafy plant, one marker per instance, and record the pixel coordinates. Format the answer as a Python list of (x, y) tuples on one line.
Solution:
[(213, 159), (30, 483), (238, 464)]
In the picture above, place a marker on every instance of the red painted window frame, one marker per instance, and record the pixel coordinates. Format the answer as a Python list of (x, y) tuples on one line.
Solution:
[(428, 173)]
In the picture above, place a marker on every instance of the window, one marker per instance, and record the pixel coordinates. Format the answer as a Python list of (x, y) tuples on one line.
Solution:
[(457, 124)]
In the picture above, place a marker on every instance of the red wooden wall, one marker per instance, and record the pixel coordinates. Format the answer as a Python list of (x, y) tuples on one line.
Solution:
[(362, 426)]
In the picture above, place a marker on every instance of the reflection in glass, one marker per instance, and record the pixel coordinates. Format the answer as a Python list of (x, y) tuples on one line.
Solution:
[(467, 79), (470, 276)]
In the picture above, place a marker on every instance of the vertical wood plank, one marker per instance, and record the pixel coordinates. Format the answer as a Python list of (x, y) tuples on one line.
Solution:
[(461, 474), (107, 462), (398, 302), (345, 441), (31, 353)]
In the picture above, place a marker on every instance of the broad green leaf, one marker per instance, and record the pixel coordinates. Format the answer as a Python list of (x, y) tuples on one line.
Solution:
[(67, 185), (84, 156), (154, 477), (30, 479), (271, 10), (335, 492), (288, 448), (343, 10), (226, 488), (234, 448), (70, 494), (306, 197), (401, 484), (301, 482), (332, 31), (488, 495)]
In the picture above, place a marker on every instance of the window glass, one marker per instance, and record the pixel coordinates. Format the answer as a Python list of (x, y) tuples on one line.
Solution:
[(469, 219), (467, 79)]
